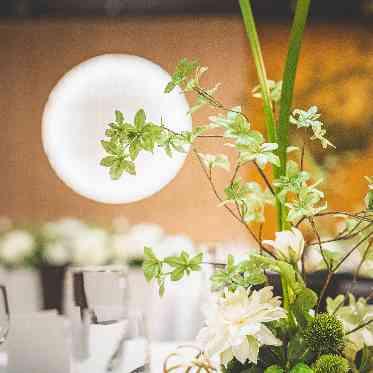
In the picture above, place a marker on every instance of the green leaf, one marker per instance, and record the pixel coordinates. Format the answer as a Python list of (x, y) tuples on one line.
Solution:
[(117, 169), (174, 261), (296, 348), (140, 118), (211, 161), (274, 369), (300, 18), (304, 302), (119, 118), (270, 120), (109, 147), (161, 289), (152, 267), (129, 167), (177, 274), (169, 87), (195, 262), (185, 257), (148, 143), (134, 150), (108, 161), (301, 368)]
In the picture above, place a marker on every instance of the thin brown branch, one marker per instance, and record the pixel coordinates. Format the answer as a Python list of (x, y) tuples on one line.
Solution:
[(351, 215), (264, 177), (210, 136), (356, 216), (324, 289), (358, 269), (352, 251), (201, 92), (302, 156), (314, 228), (359, 327), (343, 238), (220, 199), (237, 168)]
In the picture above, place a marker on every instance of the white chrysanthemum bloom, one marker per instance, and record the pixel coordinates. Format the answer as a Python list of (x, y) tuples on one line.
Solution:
[(16, 246), (119, 245), (91, 247), (288, 245), (173, 245), (56, 253), (235, 324), (66, 228), (130, 246)]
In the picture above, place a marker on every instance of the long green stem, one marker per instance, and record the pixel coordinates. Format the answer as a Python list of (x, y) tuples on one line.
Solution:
[(250, 27), (300, 18), (249, 22)]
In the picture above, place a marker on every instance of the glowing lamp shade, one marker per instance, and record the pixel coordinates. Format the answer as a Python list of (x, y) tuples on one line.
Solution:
[(83, 103)]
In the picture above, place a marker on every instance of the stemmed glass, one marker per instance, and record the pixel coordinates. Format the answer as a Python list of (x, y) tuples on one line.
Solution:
[(106, 335), (4, 314)]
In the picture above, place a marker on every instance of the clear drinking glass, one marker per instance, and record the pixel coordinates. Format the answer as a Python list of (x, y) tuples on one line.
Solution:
[(106, 336), (4, 314)]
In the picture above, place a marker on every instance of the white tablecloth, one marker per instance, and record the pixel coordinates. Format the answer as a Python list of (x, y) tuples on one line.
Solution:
[(159, 352)]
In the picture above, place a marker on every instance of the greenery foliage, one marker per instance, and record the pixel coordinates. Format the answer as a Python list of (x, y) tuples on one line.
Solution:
[(294, 337)]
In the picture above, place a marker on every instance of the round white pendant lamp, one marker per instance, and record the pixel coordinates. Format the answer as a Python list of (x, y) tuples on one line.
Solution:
[(82, 104)]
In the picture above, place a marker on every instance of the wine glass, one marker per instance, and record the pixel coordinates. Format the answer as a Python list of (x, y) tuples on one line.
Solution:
[(132, 353), (106, 336), (4, 314)]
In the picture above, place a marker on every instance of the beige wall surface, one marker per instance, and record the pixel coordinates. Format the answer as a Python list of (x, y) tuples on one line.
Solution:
[(35, 54)]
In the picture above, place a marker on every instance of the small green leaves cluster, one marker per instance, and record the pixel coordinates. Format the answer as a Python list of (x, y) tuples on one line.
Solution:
[(250, 198), (310, 119), (172, 267), (211, 161), (301, 199), (274, 88), (249, 143), (243, 274), (187, 76), (184, 71), (126, 140)]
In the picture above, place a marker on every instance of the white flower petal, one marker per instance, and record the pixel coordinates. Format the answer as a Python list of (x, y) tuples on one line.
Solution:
[(266, 337)]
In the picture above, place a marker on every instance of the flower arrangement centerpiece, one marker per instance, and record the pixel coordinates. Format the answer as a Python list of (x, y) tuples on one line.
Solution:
[(248, 327)]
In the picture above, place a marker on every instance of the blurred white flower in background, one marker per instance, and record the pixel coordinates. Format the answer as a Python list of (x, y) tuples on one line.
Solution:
[(57, 254), (333, 252), (130, 246), (173, 245), (235, 324), (66, 228), (16, 246), (91, 247)]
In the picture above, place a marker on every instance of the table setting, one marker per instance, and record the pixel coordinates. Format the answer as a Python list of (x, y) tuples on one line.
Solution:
[(82, 296)]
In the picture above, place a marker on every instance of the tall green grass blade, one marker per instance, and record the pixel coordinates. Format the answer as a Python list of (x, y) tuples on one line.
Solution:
[(300, 18)]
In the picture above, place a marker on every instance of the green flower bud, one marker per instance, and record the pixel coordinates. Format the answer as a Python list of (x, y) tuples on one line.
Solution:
[(324, 334), (331, 364)]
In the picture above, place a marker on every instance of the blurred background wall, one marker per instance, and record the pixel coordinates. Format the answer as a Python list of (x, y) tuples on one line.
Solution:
[(335, 74)]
